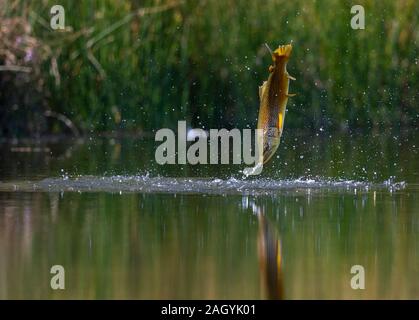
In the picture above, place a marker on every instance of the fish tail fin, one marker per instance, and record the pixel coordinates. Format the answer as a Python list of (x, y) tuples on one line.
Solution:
[(283, 51)]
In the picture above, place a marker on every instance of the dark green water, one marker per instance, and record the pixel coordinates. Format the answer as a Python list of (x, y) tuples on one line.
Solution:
[(124, 227)]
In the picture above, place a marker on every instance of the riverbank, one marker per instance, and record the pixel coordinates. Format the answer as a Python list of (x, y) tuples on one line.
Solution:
[(118, 66)]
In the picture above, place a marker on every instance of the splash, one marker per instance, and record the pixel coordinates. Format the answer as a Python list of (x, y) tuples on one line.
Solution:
[(148, 184)]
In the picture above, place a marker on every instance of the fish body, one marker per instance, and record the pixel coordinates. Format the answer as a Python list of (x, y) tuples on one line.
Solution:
[(273, 95)]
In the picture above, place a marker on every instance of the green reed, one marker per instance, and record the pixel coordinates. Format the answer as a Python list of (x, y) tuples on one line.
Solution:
[(203, 61)]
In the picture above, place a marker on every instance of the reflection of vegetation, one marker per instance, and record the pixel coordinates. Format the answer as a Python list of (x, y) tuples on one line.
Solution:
[(371, 157), (120, 67), (186, 246)]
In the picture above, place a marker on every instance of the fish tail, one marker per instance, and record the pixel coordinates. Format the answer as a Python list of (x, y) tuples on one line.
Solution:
[(284, 51)]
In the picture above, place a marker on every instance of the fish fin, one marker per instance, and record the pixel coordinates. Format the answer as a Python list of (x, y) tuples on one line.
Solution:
[(262, 89), (271, 69), (283, 51), (289, 95), (280, 121), (291, 77)]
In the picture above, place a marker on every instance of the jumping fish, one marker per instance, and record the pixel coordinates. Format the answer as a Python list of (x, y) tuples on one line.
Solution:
[(273, 95)]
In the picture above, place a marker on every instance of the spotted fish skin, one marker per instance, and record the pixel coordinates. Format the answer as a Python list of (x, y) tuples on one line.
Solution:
[(273, 95)]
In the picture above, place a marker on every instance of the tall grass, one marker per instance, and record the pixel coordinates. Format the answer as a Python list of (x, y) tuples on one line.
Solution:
[(119, 66)]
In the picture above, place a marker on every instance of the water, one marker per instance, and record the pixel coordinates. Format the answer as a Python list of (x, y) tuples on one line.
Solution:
[(124, 227)]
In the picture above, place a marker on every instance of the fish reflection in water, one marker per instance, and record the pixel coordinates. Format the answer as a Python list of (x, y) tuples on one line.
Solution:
[(270, 258)]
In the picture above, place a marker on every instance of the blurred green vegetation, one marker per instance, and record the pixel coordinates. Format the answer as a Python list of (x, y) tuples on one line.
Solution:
[(136, 66)]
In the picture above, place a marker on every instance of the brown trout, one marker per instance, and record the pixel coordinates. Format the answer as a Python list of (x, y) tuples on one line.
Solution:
[(273, 95)]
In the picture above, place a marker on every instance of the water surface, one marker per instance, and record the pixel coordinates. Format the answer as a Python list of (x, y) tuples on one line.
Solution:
[(124, 227)]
